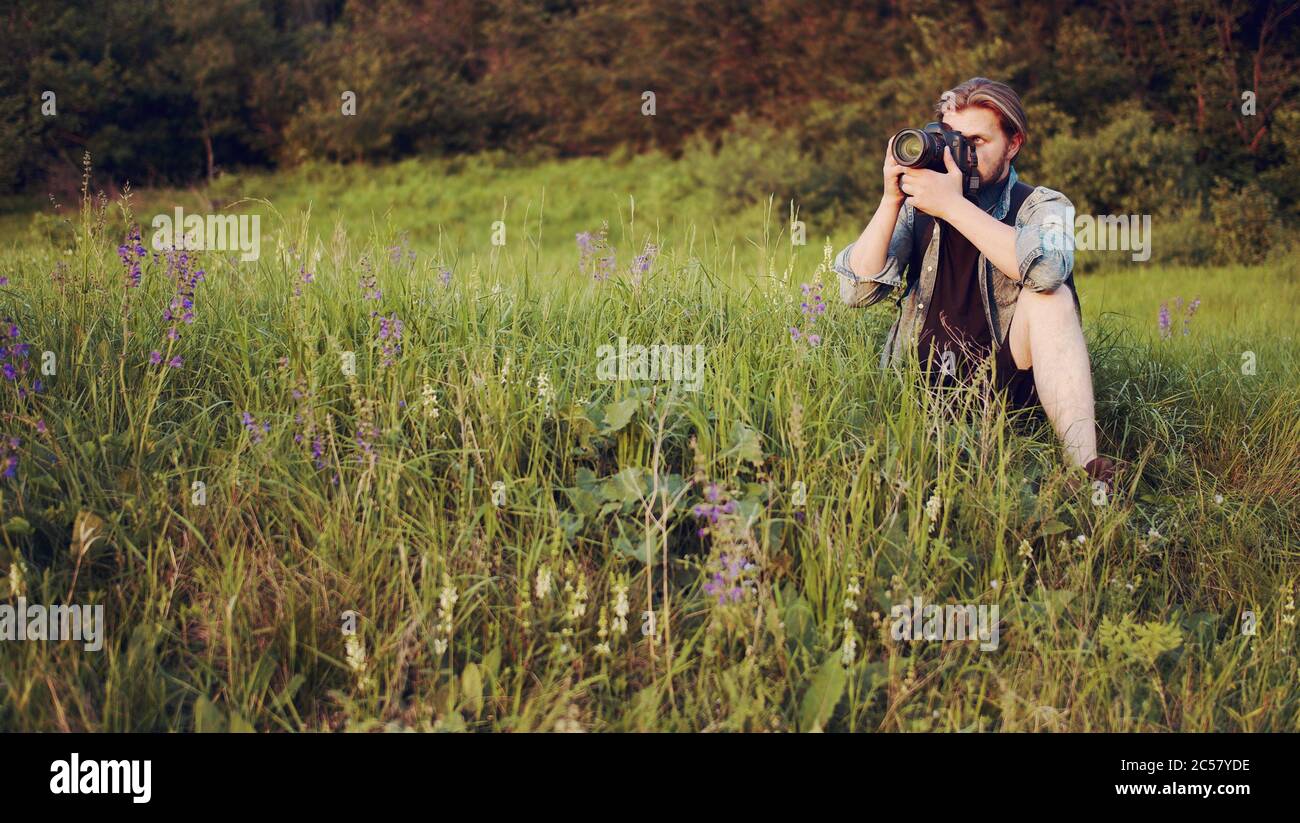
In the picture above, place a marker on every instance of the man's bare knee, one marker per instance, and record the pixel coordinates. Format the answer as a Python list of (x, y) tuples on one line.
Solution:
[(1051, 306)]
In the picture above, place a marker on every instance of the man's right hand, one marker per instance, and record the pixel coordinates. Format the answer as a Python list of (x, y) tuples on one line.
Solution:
[(892, 172)]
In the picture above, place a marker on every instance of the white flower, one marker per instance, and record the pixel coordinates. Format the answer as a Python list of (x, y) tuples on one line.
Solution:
[(542, 587), (849, 652), (1080, 539), (621, 607), (356, 653), (1218, 498), (16, 583), (430, 401), (932, 507)]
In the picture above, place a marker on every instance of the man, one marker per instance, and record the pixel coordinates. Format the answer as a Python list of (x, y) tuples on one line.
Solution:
[(992, 281)]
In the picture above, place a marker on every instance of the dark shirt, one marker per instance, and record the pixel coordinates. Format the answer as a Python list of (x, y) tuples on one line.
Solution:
[(954, 319)]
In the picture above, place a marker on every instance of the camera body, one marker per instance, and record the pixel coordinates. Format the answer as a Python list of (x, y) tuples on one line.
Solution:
[(923, 149)]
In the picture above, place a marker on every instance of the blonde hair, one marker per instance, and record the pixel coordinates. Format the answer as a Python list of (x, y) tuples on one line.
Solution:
[(999, 98)]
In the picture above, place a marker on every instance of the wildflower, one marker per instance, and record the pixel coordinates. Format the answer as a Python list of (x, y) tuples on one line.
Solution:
[(594, 253), (390, 334), (1164, 320), (542, 587), (429, 400), (447, 598), (1218, 499), (155, 357), (812, 307), (131, 252), (602, 631), (9, 457), (545, 394), (932, 507), (571, 723), (175, 362), (16, 365), (17, 585), (1191, 310), (577, 605), (445, 277), (369, 284), (728, 582), (256, 431), (849, 651), (304, 277), (356, 652), (621, 608), (1026, 551), (641, 265)]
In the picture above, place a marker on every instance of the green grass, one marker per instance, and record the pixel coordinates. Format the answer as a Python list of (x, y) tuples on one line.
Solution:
[(228, 614)]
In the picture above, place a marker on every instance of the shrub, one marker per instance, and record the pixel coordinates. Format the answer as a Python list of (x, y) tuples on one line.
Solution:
[(1246, 223)]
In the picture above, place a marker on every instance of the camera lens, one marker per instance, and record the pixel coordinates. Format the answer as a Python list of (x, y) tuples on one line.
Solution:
[(908, 147)]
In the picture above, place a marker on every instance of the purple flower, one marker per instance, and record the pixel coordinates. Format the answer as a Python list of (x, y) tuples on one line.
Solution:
[(1164, 320), (390, 332), (155, 357), (131, 252), (175, 362), (256, 431), (644, 260)]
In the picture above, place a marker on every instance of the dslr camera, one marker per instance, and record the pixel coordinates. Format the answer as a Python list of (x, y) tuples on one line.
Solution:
[(923, 149)]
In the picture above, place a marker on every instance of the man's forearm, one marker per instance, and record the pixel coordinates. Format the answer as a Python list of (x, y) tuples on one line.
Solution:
[(993, 237), (872, 248)]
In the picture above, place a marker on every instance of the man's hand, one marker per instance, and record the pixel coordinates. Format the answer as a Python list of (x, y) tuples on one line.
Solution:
[(934, 193), (893, 194)]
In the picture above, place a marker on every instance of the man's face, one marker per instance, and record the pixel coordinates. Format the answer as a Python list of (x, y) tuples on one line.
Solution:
[(994, 150)]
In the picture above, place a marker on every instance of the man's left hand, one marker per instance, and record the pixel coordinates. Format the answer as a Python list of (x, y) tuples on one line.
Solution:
[(933, 192)]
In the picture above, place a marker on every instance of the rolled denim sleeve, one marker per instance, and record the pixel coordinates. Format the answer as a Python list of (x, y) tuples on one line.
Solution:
[(866, 291), (1045, 240)]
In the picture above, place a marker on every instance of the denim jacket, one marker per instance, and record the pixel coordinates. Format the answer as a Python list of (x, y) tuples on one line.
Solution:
[(1045, 263)]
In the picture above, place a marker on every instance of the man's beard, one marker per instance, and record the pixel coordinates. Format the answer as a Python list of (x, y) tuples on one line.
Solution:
[(996, 175)]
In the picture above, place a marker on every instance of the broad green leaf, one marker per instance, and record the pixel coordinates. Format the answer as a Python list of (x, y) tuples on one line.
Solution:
[(745, 444), (823, 695), (619, 414), (471, 686)]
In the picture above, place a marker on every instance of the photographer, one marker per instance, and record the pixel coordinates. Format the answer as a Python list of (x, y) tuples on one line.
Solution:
[(993, 279)]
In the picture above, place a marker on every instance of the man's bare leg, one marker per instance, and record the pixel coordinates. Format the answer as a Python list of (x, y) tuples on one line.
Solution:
[(1046, 335)]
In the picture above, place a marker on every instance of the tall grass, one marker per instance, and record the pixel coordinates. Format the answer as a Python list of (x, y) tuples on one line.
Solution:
[(498, 522)]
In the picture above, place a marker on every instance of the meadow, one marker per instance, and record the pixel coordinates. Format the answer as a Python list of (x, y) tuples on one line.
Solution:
[(372, 480)]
